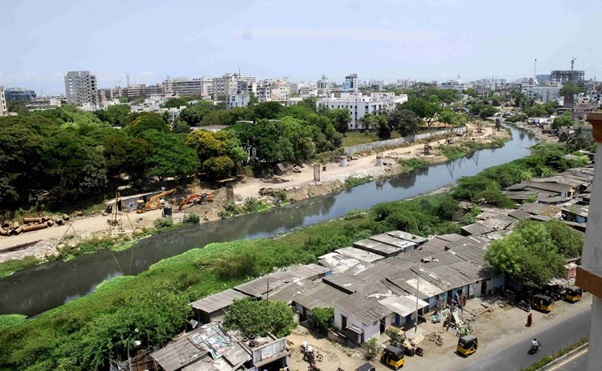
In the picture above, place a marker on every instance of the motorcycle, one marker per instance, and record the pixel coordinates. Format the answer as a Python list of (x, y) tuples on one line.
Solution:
[(524, 305), (534, 348)]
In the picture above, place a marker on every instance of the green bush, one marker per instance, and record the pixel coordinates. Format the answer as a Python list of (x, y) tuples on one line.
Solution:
[(323, 318), (192, 218), (413, 164), (351, 181), (163, 223), (251, 204), (258, 318)]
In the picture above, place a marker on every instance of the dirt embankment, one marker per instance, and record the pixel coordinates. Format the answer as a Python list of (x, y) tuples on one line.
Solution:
[(297, 186)]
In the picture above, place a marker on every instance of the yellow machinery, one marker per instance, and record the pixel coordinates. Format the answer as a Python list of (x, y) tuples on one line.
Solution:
[(392, 356), (467, 344), (573, 294), (542, 303), (153, 203)]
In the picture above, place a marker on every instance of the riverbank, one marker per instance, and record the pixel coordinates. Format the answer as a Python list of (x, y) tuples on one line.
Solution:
[(93, 233), (156, 300)]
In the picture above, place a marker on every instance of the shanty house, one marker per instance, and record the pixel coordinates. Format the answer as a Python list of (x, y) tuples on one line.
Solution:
[(213, 307), (360, 318)]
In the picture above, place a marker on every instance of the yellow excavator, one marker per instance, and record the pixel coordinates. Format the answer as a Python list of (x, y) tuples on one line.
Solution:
[(153, 203)]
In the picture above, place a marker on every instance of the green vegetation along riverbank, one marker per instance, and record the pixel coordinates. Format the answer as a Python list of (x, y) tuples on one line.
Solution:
[(89, 332)]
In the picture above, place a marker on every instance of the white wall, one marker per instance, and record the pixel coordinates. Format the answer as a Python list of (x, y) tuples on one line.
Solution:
[(369, 330)]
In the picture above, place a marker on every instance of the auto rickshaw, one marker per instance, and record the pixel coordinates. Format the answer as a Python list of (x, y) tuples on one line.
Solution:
[(392, 356), (573, 294), (467, 344), (542, 303), (365, 367)]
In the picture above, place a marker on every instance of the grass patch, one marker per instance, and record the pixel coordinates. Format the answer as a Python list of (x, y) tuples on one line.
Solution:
[(453, 152), (351, 181), (467, 148), (8, 320), (413, 164), (548, 359), (9, 267), (355, 138)]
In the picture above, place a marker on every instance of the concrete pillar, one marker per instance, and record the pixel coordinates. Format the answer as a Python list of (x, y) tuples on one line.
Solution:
[(589, 274)]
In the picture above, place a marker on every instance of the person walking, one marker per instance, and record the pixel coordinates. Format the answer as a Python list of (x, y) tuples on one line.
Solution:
[(529, 319)]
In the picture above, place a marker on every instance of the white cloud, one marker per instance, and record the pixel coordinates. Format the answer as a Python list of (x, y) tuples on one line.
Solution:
[(373, 34)]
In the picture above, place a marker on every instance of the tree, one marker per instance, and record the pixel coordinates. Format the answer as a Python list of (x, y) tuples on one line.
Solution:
[(323, 317), (146, 122), (115, 115), (194, 114), (126, 155), (564, 120), (267, 110), (536, 110), (309, 102), (340, 119), (487, 111), (368, 121), (383, 130), (422, 108), (175, 103), (217, 117), (218, 153), (530, 255), (169, 156), (72, 169), (449, 117), (568, 91), (404, 121), (258, 318)]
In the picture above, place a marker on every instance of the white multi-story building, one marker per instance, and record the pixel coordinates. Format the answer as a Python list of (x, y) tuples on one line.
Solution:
[(183, 86), (225, 85), (238, 100), (281, 91), (81, 88), (456, 85), (542, 94), (406, 83), (359, 105), (3, 107), (307, 90)]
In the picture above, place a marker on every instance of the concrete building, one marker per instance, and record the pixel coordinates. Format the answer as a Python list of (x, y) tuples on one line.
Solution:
[(589, 274), (577, 77), (238, 100), (542, 94), (133, 91), (3, 107), (81, 88), (456, 85), (225, 85), (351, 84), (359, 105), (183, 86), (323, 86), (18, 94), (43, 103)]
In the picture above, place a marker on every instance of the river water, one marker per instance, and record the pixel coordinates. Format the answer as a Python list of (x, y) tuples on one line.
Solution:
[(37, 289)]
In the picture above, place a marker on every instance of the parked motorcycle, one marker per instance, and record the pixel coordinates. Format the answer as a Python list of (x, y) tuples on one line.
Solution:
[(524, 305)]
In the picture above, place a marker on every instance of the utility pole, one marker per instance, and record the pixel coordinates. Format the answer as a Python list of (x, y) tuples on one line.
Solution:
[(417, 285)]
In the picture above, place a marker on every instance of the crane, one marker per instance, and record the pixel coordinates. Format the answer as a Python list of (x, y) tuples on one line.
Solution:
[(573, 63)]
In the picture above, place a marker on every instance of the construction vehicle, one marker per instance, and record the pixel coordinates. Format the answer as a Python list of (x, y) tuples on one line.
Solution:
[(196, 198), (153, 203)]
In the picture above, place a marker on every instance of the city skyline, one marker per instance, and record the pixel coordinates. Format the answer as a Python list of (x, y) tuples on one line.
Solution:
[(382, 40)]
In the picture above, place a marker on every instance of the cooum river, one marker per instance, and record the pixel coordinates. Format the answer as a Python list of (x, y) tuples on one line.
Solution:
[(37, 289)]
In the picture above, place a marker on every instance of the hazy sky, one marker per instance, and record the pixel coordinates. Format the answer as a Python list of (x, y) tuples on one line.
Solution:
[(378, 39)]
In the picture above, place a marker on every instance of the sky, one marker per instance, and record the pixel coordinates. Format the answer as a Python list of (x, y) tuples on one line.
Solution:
[(388, 40)]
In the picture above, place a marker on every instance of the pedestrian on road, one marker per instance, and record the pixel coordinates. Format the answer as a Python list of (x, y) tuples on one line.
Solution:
[(529, 319)]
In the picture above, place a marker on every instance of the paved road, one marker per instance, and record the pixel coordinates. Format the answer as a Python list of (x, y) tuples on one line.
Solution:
[(575, 363), (515, 357)]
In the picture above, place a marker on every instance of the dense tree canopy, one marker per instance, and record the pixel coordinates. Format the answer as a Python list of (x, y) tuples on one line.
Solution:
[(258, 318), (535, 252)]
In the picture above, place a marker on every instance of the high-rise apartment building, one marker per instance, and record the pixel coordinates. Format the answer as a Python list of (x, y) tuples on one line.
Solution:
[(81, 88), (3, 107), (18, 94)]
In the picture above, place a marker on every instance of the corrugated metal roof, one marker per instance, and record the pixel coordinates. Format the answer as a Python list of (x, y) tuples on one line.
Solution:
[(322, 296), (477, 229), (259, 287), (403, 305), (345, 282), (386, 238), (376, 247), (364, 310), (359, 254), (215, 302), (290, 291)]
